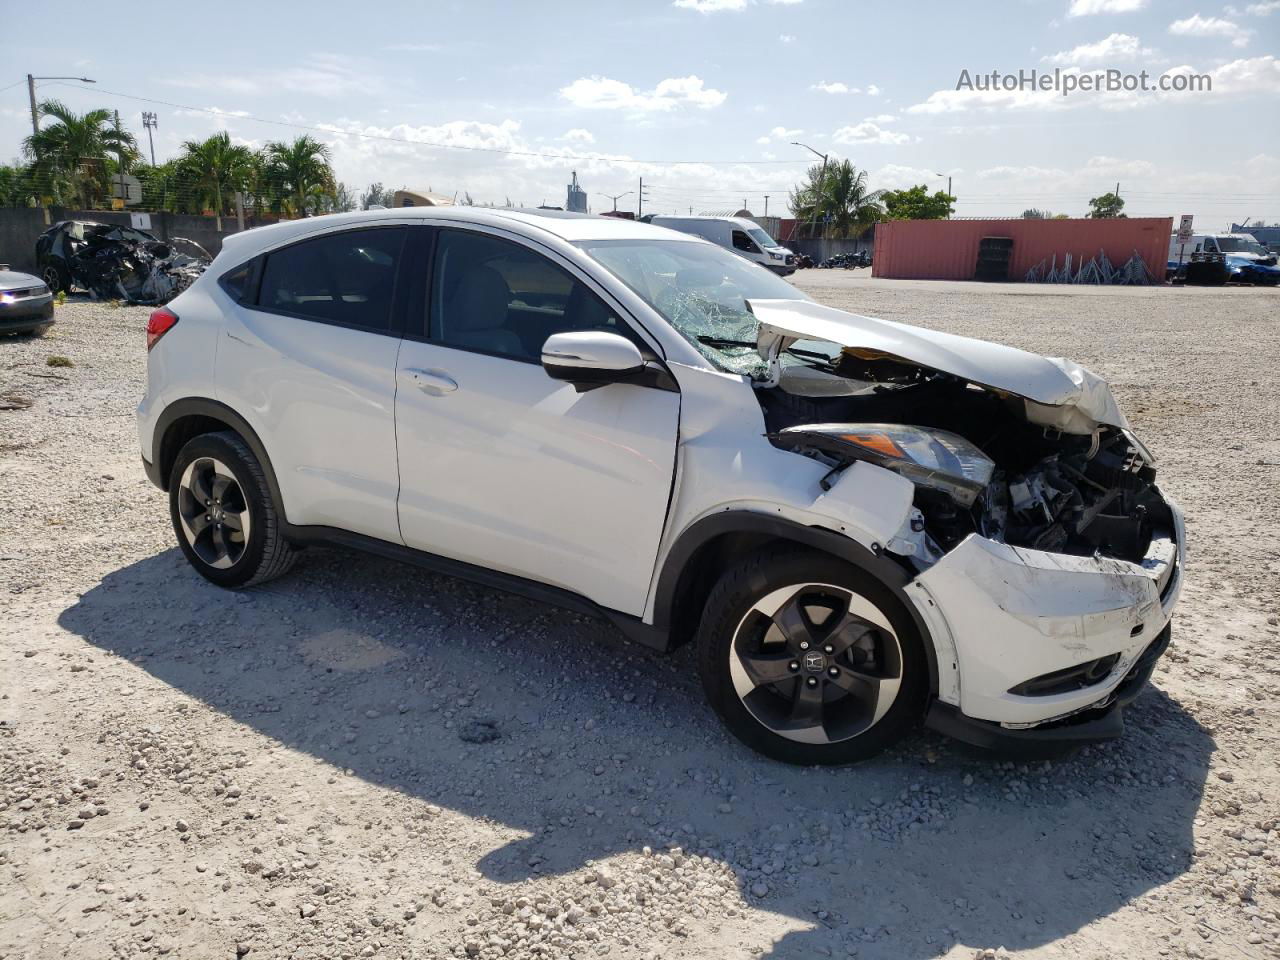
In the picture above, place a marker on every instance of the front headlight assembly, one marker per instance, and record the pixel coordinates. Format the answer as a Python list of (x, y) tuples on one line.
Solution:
[(933, 459)]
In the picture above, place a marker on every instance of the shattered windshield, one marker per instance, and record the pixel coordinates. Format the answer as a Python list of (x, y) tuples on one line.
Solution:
[(700, 289)]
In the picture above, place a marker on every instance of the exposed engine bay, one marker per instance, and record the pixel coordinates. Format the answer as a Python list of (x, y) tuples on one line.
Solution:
[(115, 262), (988, 469)]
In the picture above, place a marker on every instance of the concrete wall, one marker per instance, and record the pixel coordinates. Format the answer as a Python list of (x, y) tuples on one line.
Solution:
[(19, 227), (948, 249), (820, 248)]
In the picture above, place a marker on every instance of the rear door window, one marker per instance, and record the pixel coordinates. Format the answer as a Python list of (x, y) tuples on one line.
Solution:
[(345, 278)]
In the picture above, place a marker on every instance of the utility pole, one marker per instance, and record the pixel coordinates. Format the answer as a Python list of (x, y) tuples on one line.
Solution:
[(766, 205), (149, 121), (120, 161), (31, 93), (35, 117), (640, 200), (949, 193)]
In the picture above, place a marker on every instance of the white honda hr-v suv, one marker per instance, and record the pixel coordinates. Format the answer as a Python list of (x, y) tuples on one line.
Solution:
[(861, 524)]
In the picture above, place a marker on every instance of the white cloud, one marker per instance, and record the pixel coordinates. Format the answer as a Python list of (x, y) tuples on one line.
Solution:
[(786, 38), (717, 6), (1103, 166), (868, 132), (1087, 8), (779, 133), (711, 6), (895, 176), (1262, 9), (578, 135), (835, 87), (1117, 46), (606, 94), (1198, 26), (216, 111), (873, 90), (320, 74), (1255, 75)]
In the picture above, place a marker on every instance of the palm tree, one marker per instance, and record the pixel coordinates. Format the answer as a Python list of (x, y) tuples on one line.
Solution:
[(72, 153), (300, 171), (216, 165), (839, 199)]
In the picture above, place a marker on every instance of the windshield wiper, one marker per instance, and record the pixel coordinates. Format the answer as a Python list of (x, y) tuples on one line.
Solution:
[(725, 342)]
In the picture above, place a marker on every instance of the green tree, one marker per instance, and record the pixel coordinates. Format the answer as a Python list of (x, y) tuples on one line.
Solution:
[(916, 203), (72, 158), (376, 195), (301, 173), (215, 169), (1107, 206), (15, 186), (837, 200), (1034, 213)]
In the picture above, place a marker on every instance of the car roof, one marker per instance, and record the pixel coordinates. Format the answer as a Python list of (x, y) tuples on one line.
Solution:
[(571, 227)]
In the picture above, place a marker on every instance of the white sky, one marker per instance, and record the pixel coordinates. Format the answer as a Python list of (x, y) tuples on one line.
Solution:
[(611, 88)]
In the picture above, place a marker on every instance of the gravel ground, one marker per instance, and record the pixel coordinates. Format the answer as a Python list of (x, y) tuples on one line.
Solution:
[(310, 770)]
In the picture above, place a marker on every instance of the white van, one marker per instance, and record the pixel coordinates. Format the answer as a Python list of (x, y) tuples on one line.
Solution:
[(1242, 245), (744, 237)]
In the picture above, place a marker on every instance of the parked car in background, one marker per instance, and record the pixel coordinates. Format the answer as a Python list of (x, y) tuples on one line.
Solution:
[(1252, 270), (1240, 245), (860, 524), (26, 304), (115, 262), (744, 237)]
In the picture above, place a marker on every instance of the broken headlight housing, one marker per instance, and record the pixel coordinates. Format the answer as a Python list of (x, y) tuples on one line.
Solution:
[(933, 459)]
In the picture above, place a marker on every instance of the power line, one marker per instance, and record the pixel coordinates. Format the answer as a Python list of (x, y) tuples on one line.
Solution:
[(237, 115)]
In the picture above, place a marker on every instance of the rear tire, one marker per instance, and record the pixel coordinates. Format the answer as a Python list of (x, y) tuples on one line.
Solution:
[(811, 660), (223, 515), (54, 279)]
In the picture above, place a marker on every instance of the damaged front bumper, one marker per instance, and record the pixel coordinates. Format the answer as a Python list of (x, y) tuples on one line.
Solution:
[(1046, 647)]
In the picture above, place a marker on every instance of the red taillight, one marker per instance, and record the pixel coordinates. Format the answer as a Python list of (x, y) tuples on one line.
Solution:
[(159, 323)]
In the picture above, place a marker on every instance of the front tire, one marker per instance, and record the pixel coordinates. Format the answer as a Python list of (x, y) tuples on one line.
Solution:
[(223, 514), (811, 660)]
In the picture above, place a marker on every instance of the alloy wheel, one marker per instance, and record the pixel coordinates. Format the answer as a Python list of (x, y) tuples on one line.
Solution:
[(816, 663), (214, 512)]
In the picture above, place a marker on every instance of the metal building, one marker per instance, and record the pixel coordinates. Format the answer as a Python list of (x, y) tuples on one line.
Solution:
[(576, 201)]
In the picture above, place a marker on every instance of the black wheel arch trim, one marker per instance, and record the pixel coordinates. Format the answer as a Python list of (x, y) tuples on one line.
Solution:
[(702, 532), (204, 407)]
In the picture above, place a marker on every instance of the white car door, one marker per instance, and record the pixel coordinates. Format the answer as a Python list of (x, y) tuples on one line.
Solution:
[(504, 467), (309, 360)]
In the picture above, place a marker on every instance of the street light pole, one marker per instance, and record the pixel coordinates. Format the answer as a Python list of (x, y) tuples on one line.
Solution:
[(822, 176), (31, 93), (616, 197)]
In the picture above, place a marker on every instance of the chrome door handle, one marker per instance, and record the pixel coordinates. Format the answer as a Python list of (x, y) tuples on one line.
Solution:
[(435, 382)]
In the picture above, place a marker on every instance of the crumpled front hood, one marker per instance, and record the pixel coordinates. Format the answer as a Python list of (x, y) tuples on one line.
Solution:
[(1058, 393)]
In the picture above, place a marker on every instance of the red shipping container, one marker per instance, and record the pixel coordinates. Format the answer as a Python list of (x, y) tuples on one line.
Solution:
[(948, 249)]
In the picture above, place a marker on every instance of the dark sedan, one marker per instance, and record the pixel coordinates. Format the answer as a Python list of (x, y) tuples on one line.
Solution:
[(26, 303)]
